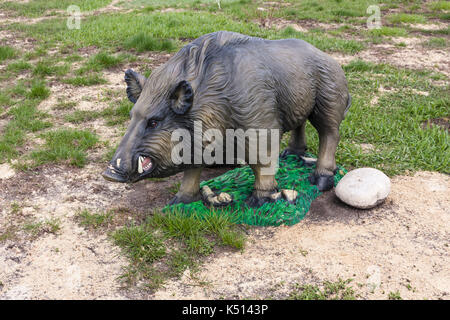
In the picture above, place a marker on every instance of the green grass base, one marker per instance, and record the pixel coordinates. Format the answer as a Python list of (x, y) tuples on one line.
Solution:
[(239, 183)]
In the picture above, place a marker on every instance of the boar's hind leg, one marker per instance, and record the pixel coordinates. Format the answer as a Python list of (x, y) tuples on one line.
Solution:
[(265, 186), (326, 122), (189, 188), (297, 143)]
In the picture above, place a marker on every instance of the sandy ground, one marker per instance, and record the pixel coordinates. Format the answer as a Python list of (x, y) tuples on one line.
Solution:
[(404, 241)]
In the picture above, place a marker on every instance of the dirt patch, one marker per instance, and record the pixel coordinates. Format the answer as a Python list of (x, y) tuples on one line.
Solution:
[(7, 18), (443, 123), (279, 24), (73, 263), (429, 26), (403, 242), (12, 39), (412, 56)]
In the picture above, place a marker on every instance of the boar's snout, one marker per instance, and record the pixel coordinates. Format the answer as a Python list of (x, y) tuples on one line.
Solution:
[(115, 172)]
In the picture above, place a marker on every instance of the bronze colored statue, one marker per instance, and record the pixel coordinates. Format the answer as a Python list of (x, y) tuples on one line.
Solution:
[(226, 80)]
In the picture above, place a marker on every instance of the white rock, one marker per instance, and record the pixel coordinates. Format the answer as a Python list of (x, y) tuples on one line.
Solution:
[(6, 171), (363, 188)]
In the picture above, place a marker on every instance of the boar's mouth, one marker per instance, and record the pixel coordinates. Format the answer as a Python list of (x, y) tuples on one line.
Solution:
[(144, 166)]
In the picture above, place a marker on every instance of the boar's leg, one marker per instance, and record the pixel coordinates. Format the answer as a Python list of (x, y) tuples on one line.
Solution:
[(328, 129), (265, 186), (297, 143), (189, 188)]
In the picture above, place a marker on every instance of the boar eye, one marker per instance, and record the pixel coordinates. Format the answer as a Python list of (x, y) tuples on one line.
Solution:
[(152, 124)]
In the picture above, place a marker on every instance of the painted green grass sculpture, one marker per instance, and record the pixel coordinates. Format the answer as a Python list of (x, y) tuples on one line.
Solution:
[(292, 174)]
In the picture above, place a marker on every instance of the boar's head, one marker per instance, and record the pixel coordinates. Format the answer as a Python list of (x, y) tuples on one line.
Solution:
[(160, 108)]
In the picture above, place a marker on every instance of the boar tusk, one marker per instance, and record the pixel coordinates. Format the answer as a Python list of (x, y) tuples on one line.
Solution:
[(140, 170)]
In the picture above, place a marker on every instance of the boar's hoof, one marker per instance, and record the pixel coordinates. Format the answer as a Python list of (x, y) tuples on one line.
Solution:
[(322, 181), (182, 198), (210, 198), (288, 151)]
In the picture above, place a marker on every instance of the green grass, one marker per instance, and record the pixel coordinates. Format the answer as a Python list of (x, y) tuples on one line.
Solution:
[(321, 10), (118, 113), (6, 52), (114, 30), (189, 239), (324, 43), (10, 233), (339, 290), (439, 5), (45, 68), (153, 31), (22, 100), (38, 90), (435, 43), (406, 18), (239, 184), (27, 117), (36, 228), (37, 8), (64, 105), (5, 100), (94, 220), (389, 32), (394, 295), (100, 61), (65, 146), (18, 66), (142, 42), (80, 116), (86, 80)]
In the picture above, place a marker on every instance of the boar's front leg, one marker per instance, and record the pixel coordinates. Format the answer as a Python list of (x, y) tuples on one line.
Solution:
[(265, 186), (189, 188)]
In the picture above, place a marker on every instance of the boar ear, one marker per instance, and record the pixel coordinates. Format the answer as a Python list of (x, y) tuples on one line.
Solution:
[(135, 83), (182, 97)]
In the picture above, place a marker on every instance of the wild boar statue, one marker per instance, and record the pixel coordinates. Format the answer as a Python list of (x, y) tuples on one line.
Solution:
[(226, 80)]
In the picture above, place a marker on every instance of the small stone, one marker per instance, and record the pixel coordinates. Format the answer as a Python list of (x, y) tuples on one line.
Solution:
[(289, 195), (363, 188), (6, 171)]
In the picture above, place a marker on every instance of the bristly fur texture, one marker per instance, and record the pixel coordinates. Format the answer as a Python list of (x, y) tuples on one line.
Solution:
[(241, 82)]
